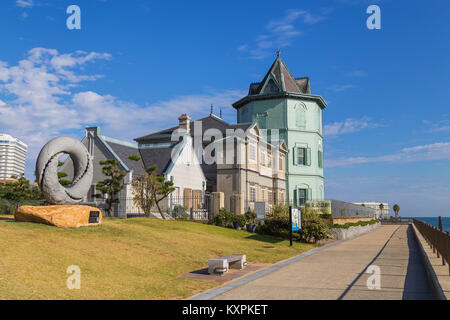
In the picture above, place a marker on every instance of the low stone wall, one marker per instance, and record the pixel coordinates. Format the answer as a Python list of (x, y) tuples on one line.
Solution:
[(351, 232)]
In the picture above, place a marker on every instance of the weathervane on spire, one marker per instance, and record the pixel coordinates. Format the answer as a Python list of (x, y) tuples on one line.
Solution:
[(278, 53)]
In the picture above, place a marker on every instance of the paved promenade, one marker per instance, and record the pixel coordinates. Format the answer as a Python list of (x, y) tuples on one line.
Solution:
[(338, 272)]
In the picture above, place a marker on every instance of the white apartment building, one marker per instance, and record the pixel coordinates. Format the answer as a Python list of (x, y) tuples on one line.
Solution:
[(12, 157), (382, 208)]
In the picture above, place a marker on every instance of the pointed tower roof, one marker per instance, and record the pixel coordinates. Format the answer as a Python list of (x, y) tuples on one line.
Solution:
[(280, 79), (279, 83)]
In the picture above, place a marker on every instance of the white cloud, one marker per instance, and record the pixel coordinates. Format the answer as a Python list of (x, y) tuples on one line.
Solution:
[(280, 33), (348, 126), (25, 3), (340, 87), (39, 100), (438, 126), (429, 152), (357, 73)]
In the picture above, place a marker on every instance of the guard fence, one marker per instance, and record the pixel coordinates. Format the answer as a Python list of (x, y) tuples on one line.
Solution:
[(437, 239), (189, 208)]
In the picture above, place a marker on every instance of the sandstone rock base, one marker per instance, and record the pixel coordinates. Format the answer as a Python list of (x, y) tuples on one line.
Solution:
[(63, 216)]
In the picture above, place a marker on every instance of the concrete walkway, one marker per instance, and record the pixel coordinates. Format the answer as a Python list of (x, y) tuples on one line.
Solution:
[(338, 272)]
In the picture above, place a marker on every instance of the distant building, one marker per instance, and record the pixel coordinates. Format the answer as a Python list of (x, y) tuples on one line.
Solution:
[(12, 157), (381, 208)]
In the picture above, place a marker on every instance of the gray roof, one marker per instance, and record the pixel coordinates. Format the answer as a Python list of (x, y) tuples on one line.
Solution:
[(123, 152), (303, 84), (209, 122), (161, 157), (283, 79)]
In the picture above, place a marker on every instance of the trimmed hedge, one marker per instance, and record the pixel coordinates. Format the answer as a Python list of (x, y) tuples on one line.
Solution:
[(353, 224)]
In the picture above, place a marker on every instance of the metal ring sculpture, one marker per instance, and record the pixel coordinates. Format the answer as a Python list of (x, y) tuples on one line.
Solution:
[(47, 171)]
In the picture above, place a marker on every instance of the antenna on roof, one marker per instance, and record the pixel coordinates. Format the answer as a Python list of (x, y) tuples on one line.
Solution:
[(278, 53), (212, 108), (220, 113)]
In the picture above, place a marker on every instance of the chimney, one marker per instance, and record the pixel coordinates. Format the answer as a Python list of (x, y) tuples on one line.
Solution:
[(184, 122)]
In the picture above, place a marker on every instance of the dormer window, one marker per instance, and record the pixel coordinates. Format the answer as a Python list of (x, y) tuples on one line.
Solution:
[(272, 86)]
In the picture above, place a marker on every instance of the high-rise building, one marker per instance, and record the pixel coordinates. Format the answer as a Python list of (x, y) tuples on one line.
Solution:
[(12, 157)]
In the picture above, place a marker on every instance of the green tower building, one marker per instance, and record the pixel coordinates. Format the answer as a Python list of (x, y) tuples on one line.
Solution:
[(283, 102)]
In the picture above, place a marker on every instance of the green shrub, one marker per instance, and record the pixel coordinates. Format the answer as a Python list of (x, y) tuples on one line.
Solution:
[(179, 212), (6, 207), (239, 220), (250, 217), (326, 215), (224, 218), (313, 227), (275, 226), (280, 210)]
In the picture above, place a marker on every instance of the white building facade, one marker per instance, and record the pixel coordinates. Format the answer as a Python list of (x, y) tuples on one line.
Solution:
[(12, 157), (381, 208)]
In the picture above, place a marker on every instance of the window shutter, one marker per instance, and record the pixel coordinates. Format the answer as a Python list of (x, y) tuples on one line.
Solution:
[(321, 159), (308, 157), (295, 156), (295, 197), (309, 196), (320, 153)]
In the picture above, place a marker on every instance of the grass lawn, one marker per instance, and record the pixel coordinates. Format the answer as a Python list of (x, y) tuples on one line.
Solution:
[(122, 259)]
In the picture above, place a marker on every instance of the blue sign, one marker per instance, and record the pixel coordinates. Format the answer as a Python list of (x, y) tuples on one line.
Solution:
[(296, 218)]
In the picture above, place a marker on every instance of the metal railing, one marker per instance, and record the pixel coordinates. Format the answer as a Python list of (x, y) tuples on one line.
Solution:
[(396, 221), (438, 240), (191, 208)]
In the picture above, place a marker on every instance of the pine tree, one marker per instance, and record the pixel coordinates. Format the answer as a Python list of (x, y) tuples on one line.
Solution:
[(61, 175), (150, 189), (17, 191), (111, 186)]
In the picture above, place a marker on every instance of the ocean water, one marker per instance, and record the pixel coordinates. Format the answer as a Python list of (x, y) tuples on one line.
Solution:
[(434, 221)]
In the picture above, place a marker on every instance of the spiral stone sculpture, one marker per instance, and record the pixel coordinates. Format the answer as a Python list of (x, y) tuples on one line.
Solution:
[(47, 171)]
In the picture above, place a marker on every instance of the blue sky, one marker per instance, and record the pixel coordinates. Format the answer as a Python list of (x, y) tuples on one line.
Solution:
[(135, 66)]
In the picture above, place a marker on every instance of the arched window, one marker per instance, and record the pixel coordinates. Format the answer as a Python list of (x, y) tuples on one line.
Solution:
[(300, 115)]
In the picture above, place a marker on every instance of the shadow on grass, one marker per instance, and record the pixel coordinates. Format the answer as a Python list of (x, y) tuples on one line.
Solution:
[(7, 219), (265, 238)]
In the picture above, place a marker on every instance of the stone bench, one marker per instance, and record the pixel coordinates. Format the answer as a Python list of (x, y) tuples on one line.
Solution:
[(221, 265)]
